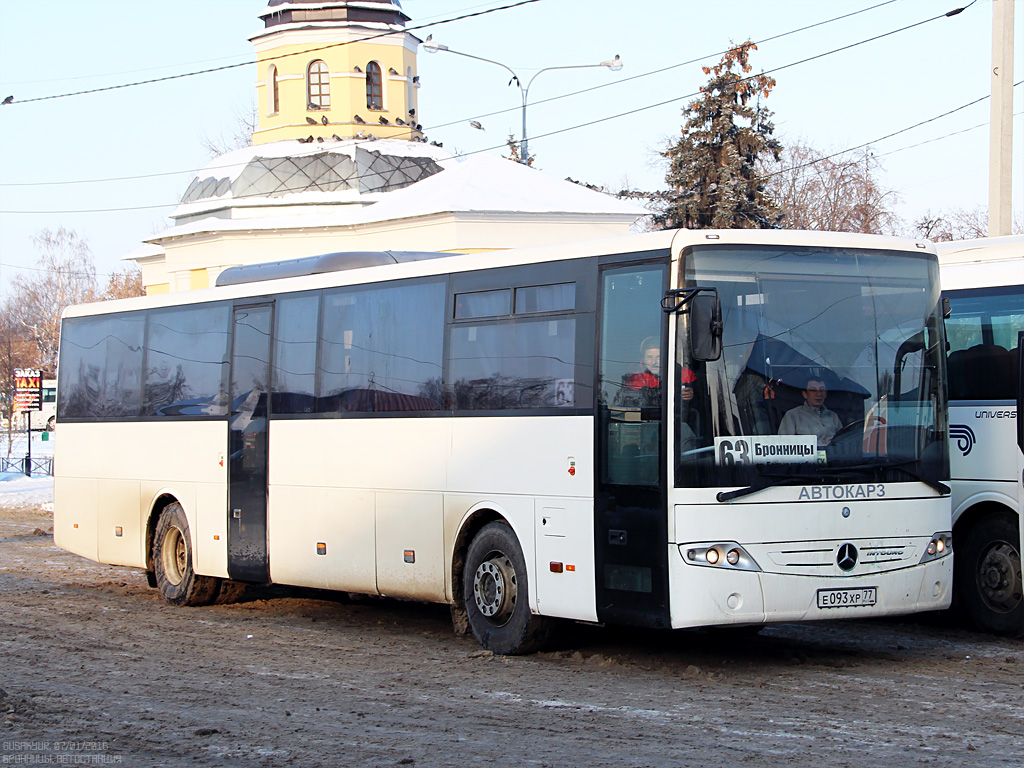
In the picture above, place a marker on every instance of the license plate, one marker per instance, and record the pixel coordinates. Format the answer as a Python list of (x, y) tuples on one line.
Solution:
[(847, 598)]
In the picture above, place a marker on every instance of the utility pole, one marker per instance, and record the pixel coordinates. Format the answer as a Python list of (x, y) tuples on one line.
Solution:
[(1000, 197)]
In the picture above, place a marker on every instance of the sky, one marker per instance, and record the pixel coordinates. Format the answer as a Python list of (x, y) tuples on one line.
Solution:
[(112, 165)]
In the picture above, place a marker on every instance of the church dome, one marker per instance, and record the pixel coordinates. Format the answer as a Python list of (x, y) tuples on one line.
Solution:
[(264, 178)]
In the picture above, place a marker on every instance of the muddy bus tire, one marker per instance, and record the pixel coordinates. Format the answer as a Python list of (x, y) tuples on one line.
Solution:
[(988, 575), (172, 562), (229, 592), (497, 594)]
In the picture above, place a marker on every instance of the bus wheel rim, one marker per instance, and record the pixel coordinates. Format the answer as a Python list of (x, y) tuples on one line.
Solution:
[(175, 555), (495, 590), (999, 578)]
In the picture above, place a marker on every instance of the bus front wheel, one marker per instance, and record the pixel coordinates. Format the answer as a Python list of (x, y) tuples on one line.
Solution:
[(989, 577), (497, 594), (178, 583)]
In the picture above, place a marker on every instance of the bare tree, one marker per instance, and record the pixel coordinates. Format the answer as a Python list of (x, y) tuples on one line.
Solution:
[(955, 224), (832, 193), (16, 351), (246, 122), (126, 283), (66, 275)]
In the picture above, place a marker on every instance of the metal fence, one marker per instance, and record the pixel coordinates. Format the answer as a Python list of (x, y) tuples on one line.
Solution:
[(42, 466)]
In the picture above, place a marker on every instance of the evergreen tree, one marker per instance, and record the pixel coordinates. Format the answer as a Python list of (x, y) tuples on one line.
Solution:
[(714, 170)]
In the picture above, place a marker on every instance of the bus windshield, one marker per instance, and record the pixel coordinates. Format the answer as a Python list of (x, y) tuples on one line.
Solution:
[(831, 369)]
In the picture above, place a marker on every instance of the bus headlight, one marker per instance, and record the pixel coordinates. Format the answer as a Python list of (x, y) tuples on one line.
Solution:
[(721, 555), (940, 546)]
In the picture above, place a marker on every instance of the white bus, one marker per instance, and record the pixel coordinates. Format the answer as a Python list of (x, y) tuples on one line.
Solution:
[(494, 431), (984, 282)]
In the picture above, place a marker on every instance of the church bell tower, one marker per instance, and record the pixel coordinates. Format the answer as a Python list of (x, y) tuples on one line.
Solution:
[(335, 69)]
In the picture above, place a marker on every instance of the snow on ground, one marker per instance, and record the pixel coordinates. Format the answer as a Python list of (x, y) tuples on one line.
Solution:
[(16, 490)]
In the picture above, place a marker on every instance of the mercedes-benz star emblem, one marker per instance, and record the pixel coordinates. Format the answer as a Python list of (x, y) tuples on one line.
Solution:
[(847, 557)]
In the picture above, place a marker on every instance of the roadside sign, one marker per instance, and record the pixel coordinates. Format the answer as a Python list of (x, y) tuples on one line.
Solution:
[(28, 393)]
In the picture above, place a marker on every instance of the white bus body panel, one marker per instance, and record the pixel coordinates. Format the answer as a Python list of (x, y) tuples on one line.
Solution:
[(108, 476), (795, 567), (325, 481), (983, 467)]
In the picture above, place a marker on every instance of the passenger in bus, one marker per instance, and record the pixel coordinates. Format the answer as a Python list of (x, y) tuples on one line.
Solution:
[(812, 418), (643, 389)]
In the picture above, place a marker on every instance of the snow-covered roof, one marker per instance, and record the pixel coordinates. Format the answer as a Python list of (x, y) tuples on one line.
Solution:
[(478, 184), (285, 172), (144, 252), (485, 183), (289, 15)]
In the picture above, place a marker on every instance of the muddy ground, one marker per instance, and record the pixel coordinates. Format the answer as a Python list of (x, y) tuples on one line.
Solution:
[(96, 670)]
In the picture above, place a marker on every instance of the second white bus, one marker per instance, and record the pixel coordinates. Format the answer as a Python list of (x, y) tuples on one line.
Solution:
[(984, 283)]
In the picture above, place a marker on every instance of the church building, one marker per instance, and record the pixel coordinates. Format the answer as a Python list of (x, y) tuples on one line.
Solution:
[(339, 161)]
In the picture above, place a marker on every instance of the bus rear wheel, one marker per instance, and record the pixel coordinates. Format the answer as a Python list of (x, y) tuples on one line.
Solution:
[(496, 588), (178, 583), (989, 577)]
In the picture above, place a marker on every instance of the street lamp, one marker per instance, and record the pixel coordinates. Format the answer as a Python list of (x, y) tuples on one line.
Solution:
[(524, 156)]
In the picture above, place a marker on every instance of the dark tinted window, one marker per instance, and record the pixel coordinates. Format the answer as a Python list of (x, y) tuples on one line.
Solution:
[(630, 396), (513, 364), (186, 361), (982, 336), (483, 304), (381, 348), (546, 298), (101, 366), (294, 373)]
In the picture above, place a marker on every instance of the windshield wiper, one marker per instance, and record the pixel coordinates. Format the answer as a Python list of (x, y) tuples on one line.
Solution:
[(774, 480), (935, 484), (900, 465)]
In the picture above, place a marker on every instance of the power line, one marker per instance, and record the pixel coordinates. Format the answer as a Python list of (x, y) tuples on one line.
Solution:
[(751, 77), (127, 269), (269, 58), (620, 81), (488, 114), (940, 138), (644, 108), (882, 138)]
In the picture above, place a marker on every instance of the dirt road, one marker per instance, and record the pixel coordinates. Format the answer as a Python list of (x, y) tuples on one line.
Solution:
[(97, 670)]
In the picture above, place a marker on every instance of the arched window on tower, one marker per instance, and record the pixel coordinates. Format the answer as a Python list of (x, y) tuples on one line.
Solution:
[(374, 86), (318, 86), (273, 95)]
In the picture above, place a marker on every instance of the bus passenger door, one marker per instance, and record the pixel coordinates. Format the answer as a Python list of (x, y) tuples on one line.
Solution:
[(630, 518), (247, 444)]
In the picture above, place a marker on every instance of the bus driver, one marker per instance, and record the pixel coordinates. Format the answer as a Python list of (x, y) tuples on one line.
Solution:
[(812, 418)]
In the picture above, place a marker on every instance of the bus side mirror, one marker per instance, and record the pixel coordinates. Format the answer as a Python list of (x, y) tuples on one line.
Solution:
[(706, 327)]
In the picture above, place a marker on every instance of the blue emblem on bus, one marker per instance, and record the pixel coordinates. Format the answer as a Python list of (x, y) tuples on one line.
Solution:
[(964, 437)]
